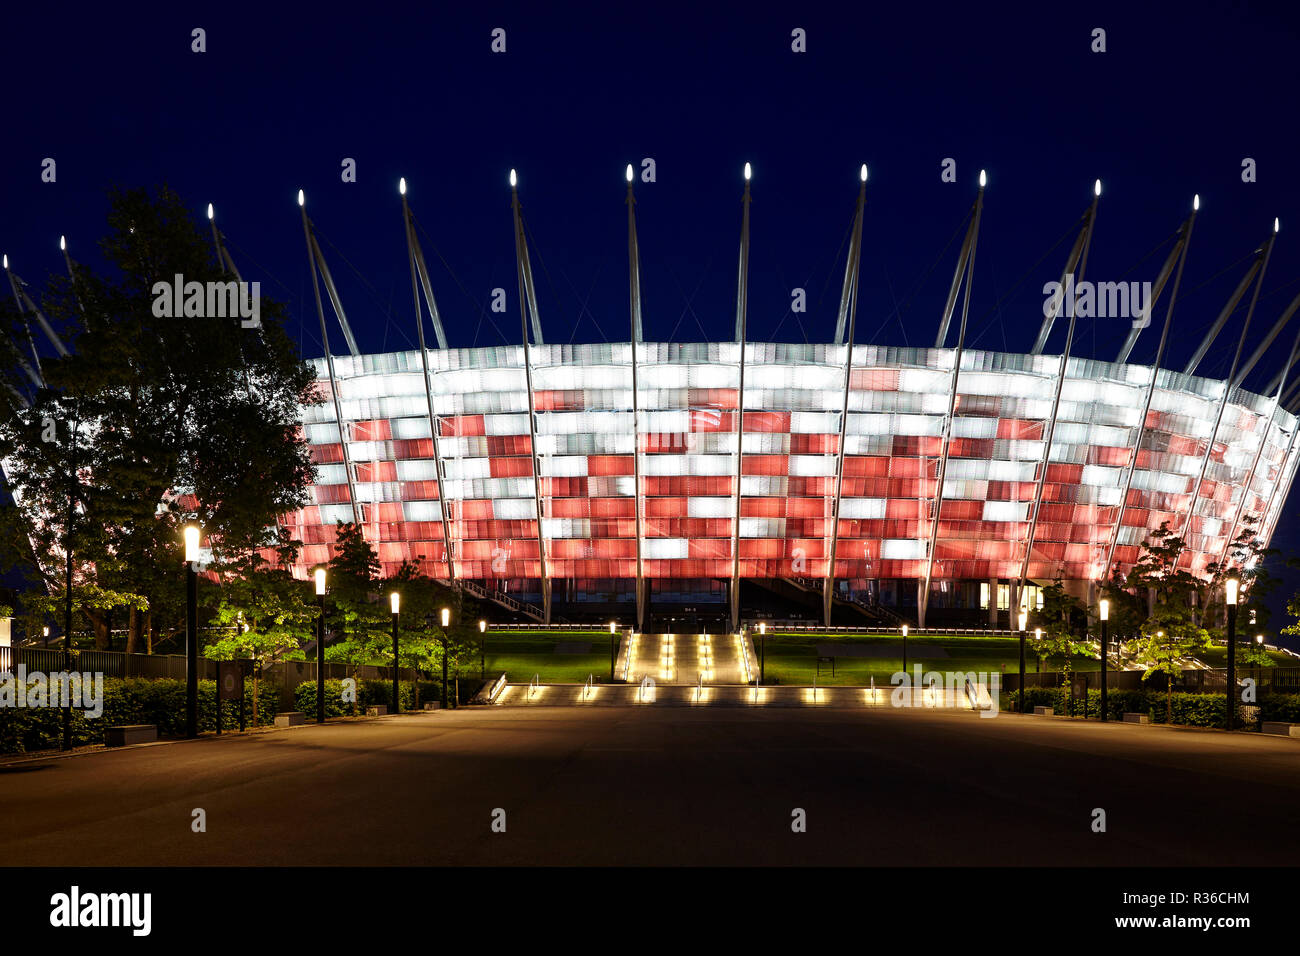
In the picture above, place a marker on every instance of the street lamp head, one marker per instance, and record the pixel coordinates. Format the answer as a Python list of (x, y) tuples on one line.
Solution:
[(629, 174), (302, 200), (1038, 633), (45, 631), (401, 185), (748, 172), (1259, 638), (396, 600), (862, 173), (446, 616), (320, 582), (482, 627), (905, 630), (1096, 188), (514, 180), (611, 627), (1104, 609), (63, 242), (1230, 588), (191, 535), (1024, 619), (1196, 203), (210, 211), (762, 627), (984, 179)]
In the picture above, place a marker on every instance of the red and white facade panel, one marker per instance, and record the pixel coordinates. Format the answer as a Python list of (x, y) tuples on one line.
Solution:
[(582, 440)]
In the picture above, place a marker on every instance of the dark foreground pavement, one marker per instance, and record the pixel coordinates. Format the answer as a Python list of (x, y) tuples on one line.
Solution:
[(668, 786)]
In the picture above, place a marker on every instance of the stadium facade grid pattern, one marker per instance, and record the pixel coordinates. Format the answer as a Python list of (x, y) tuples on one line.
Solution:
[(687, 443)]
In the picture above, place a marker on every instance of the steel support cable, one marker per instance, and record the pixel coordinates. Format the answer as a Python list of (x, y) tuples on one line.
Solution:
[(484, 313), (916, 285)]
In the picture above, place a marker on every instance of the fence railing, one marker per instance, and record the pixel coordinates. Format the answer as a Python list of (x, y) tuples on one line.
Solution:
[(121, 664)]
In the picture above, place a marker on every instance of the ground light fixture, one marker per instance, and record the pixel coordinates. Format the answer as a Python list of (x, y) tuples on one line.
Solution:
[(395, 601), (1023, 619), (1231, 593), (320, 645), (1103, 612), (446, 612), (191, 534)]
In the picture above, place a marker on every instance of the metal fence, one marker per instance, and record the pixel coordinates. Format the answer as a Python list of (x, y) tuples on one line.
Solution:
[(120, 664)]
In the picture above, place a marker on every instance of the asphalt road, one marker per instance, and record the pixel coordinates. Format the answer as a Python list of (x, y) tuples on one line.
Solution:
[(667, 786)]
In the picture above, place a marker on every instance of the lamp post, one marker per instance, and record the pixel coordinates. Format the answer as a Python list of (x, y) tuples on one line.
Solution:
[(396, 599), (191, 533), (320, 646), (482, 649), (904, 650), (612, 626), (1103, 609), (762, 651), (446, 622), (1230, 589), (1259, 646), (1024, 618)]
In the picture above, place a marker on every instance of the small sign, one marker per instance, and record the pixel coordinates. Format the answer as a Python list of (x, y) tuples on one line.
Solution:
[(230, 680)]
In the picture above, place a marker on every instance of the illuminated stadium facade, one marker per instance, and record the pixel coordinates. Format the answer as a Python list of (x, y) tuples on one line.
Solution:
[(587, 456), (937, 485), (912, 482)]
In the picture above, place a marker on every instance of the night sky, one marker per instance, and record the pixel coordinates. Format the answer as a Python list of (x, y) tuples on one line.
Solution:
[(281, 97)]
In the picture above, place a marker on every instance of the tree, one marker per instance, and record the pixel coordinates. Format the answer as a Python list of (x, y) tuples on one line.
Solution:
[(1171, 631), (152, 421), (268, 615)]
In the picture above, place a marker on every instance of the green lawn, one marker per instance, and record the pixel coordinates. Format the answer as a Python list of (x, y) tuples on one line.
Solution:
[(522, 654), (792, 658)]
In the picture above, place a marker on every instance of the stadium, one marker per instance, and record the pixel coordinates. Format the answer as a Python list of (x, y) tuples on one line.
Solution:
[(925, 485), (842, 483)]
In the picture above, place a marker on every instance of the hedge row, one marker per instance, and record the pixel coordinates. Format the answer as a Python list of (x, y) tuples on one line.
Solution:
[(368, 692), (1189, 710), (131, 700)]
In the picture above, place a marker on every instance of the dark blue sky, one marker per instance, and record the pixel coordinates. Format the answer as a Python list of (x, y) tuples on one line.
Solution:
[(1182, 95)]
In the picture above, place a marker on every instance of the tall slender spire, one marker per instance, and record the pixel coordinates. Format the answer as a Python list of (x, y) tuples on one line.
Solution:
[(527, 303), (1067, 299), (945, 442), (634, 312), (742, 307), (312, 253), (848, 315), (449, 557), (1078, 257)]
